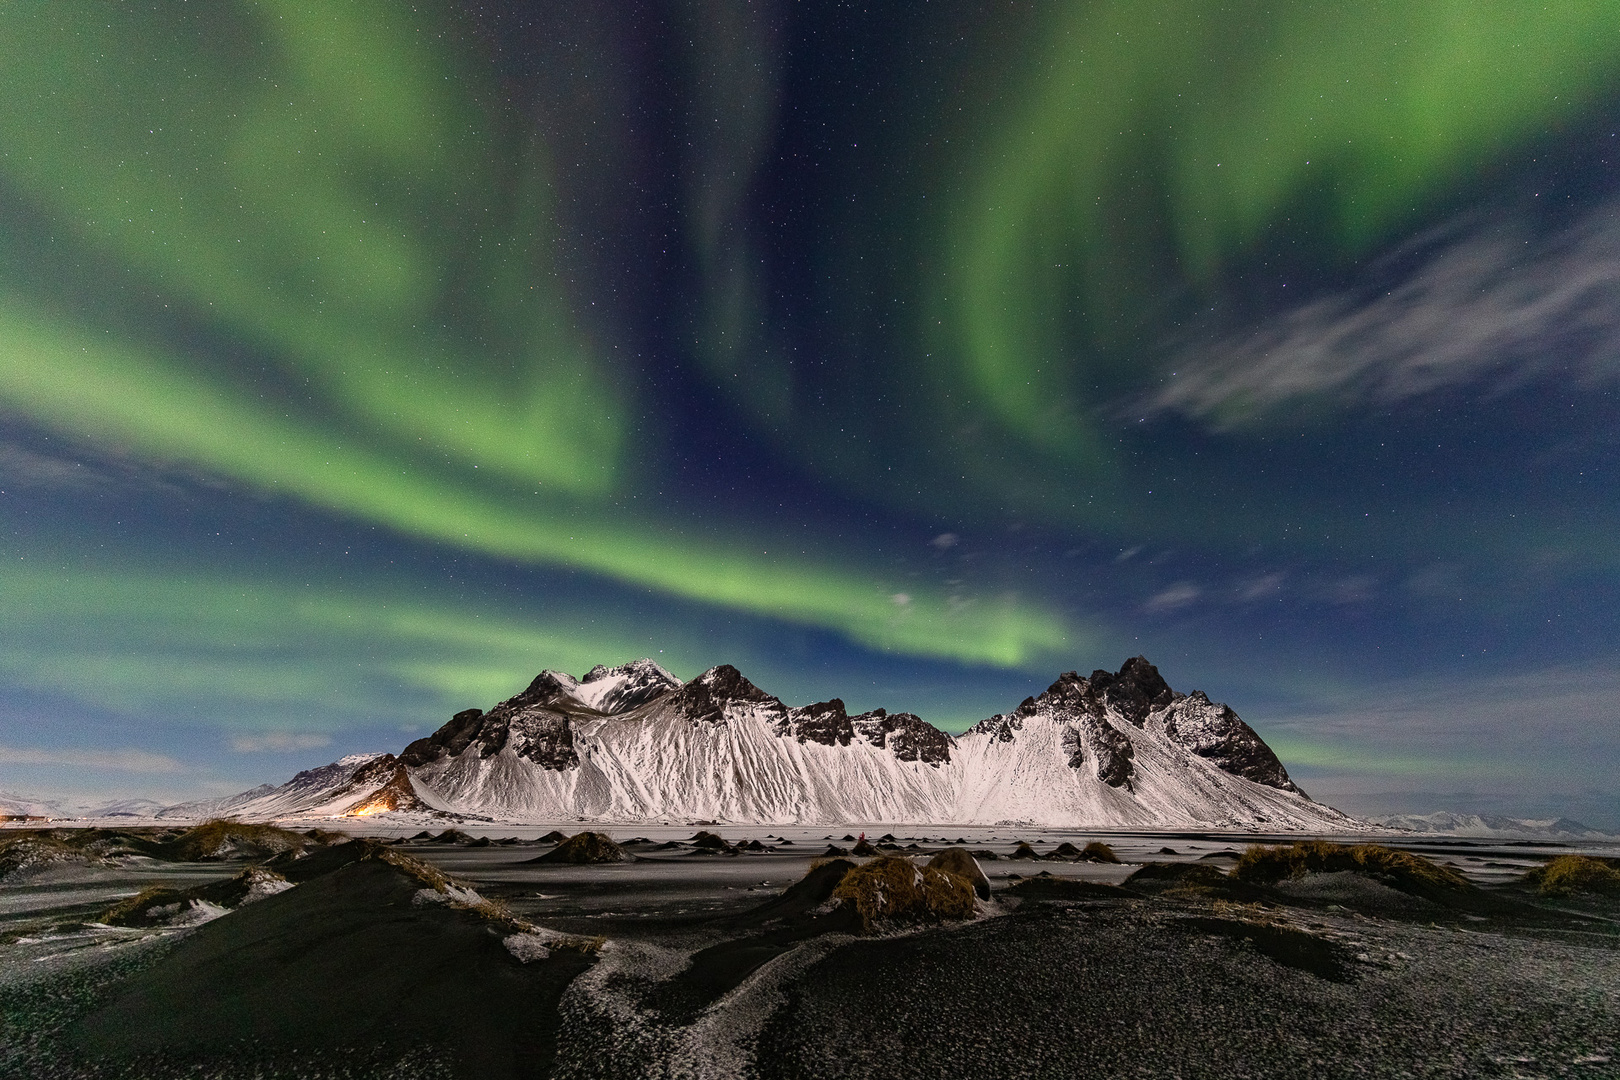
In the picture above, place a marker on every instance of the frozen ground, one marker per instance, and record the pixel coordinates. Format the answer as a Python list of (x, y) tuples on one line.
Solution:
[(1062, 976)]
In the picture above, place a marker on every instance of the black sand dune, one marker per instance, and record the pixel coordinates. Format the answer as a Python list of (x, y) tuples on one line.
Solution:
[(1313, 960), (350, 957)]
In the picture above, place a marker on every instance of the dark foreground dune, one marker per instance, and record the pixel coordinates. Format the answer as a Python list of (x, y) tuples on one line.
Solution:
[(1311, 962), (366, 954)]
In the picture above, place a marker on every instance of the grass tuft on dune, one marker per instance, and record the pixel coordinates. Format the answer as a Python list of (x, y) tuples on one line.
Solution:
[(892, 889), (1262, 865), (1569, 874)]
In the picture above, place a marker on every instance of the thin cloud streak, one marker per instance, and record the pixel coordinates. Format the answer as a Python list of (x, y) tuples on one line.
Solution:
[(278, 742), (1543, 732), (120, 760), (1486, 305)]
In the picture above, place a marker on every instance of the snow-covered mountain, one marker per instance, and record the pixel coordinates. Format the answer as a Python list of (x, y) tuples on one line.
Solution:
[(1491, 825), (21, 806), (632, 743)]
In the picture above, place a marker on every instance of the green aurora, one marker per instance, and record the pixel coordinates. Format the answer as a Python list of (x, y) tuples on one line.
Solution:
[(327, 251), (825, 338)]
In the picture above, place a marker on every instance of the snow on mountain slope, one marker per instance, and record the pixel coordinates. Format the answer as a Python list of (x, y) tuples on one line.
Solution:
[(1118, 749), (329, 790), (21, 806)]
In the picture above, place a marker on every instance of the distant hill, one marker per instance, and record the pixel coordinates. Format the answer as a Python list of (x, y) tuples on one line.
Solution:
[(1488, 825)]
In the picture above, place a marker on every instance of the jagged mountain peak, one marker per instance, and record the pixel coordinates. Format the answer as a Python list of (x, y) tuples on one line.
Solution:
[(713, 696), (1098, 714), (603, 689), (723, 680), (614, 690), (1133, 692), (645, 669)]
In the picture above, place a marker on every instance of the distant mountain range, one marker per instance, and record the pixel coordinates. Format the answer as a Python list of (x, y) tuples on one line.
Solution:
[(634, 744), (1491, 825)]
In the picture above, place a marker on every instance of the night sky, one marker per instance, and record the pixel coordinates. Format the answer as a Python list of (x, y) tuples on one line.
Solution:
[(358, 360)]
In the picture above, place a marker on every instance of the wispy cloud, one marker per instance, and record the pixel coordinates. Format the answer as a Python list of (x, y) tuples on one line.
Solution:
[(278, 741), (21, 467), (1482, 305), (1264, 587), (1176, 596), (121, 760)]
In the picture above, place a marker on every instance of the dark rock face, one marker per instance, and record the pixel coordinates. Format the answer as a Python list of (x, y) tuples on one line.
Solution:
[(1113, 751), (1215, 733), (1074, 747), (704, 699), (545, 738), (644, 681), (1135, 691), (452, 738), (909, 737), (538, 732), (1085, 705), (825, 722), (537, 721), (1132, 695), (1004, 727)]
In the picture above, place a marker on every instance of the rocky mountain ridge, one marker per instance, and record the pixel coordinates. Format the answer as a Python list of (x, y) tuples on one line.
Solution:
[(633, 743)]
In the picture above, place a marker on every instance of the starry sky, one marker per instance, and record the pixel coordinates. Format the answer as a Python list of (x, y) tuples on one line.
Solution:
[(358, 360)]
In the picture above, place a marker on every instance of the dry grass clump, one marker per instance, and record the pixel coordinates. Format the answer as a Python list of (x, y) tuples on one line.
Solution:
[(958, 862), (133, 911), (37, 851), (456, 894), (425, 872), (892, 889), (222, 838), (1097, 851), (1402, 870), (1576, 874), (157, 905)]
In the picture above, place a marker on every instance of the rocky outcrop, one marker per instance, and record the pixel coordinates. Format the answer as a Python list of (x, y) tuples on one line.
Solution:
[(627, 687), (908, 736), (824, 722), (710, 697), (1215, 733), (538, 723), (1111, 748)]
